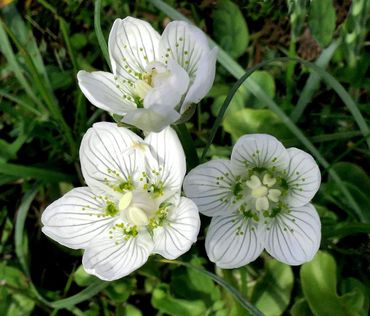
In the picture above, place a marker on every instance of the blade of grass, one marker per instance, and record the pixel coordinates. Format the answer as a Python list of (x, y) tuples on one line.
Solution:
[(99, 33), (345, 229), (64, 29), (24, 172), (25, 36), (7, 50), (87, 293), (20, 102), (49, 99), (254, 311), (313, 82), (19, 227)]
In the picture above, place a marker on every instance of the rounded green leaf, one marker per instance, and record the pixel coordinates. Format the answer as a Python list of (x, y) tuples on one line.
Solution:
[(230, 28)]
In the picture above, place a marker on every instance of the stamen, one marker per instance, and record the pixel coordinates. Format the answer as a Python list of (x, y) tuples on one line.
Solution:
[(141, 88), (125, 201)]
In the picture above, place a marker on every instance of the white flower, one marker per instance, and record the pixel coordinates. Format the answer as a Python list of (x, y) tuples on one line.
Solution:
[(155, 78), (132, 206), (258, 199)]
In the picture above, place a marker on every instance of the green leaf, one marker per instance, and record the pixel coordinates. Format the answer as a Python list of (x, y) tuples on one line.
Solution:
[(230, 28), (166, 303), (321, 21), (230, 289), (246, 121), (13, 277), (272, 293), (319, 285), (358, 297), (82, 278), (120, 290), (301, 308), (191, 284)]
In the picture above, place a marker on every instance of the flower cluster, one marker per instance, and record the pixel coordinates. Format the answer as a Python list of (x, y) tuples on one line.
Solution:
[(132, 205), (258, 199)]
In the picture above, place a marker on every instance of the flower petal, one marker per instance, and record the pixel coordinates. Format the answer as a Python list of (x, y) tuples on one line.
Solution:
[(258, 150), (233, 241), (184, 43), (180, 232), (294, 237), (303, 177), (75, 219), (101, 89), (167, 160), (210, 186), (204, 77), (109, 156), (110, 261), (154, 119), (133, 43)]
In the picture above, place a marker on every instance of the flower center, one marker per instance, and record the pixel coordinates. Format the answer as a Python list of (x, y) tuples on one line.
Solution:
[(262, 192), (155, 75), (135, 214)]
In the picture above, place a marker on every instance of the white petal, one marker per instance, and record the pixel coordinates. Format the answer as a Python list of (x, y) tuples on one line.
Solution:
[(110, 261), (303, 177), (167, 160), (204, 77), (258, 150), (210, 186), (232, 241), (133, 43), (180, 232), (184, 43), (100, 88), (73, 219), (154, 119), (109, 156), (294, 237)]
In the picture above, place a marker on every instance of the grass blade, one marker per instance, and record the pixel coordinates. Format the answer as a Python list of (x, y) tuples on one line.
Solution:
[(99, 33), (84, 295), (20, 102), (7, 50), (24, 172), (19, 227), (313, 81)]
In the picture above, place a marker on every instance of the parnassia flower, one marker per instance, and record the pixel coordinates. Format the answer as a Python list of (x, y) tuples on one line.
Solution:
[(258, 199), (132, 206), (155, 78)]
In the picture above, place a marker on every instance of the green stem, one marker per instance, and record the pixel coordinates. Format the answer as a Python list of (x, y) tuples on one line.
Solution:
[(187, 142)]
